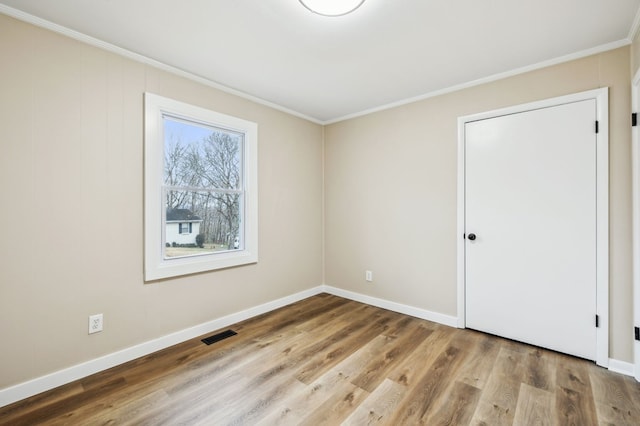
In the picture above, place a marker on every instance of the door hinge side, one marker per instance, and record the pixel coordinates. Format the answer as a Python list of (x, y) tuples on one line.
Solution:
[(637, 333), (597, 126), (634, 119), (597, 321)]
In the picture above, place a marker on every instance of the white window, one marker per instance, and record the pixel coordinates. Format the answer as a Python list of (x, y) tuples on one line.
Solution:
[(200, 189), (185, 228)]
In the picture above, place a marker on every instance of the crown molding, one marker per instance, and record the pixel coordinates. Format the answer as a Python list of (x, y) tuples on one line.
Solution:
[(635, 26), (485, 80), (34, 20), (76, 35)]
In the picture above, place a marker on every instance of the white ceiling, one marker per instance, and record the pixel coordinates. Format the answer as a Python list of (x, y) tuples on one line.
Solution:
[(326, 69)]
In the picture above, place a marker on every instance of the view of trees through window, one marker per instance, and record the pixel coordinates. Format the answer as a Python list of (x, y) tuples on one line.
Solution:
[(203, 188)]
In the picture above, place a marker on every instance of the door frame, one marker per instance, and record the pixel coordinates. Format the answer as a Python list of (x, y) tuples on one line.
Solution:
[(602, 205), (635, 190)]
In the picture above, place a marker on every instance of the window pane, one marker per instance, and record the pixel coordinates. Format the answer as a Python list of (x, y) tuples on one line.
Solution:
[(200, 156), (213, 219)]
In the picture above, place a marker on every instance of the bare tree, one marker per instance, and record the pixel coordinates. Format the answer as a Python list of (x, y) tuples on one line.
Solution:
[(174, 153), (220, 169)]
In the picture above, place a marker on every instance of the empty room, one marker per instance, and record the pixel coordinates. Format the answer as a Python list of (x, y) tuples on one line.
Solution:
[(320, 212)]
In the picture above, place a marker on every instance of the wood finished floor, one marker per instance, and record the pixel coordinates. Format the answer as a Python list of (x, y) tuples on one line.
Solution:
[(328, 360)]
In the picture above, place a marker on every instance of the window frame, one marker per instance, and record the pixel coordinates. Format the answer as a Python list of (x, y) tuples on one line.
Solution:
[(156, 266), (181, 226)]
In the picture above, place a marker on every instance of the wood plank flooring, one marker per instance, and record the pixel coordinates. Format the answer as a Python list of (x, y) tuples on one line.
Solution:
[(329, 361)]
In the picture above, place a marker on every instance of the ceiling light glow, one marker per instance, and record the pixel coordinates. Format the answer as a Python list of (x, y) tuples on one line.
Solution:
[(332, 7)]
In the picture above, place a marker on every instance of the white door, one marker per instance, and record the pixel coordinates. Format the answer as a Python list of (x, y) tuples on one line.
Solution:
[(530, 223)]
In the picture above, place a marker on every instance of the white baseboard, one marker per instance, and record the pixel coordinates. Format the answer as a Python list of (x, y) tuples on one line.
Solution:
[(393, 306), (615, 366), (621, 367), (33, 387), (41, 384)]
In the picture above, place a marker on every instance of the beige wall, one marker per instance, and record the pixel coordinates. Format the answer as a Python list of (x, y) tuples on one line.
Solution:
[(390, 189), (71, 184), (71, 181)]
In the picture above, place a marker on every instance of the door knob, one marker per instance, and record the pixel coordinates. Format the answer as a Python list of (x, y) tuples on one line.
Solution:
[(472, 237)]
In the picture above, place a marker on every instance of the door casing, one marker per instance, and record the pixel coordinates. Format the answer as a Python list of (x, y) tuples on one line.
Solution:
[(602, 206), (635, 185)]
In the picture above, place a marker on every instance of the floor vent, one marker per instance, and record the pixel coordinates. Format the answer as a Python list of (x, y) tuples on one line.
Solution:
[(220, 336)]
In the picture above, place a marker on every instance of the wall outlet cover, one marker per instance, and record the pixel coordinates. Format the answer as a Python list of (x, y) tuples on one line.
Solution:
[(95, 323)]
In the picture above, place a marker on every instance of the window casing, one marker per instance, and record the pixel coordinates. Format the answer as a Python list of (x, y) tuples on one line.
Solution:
[(200, 189)]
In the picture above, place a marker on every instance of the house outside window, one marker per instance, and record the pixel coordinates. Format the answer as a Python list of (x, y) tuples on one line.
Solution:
[(181, 226), (200, 189)]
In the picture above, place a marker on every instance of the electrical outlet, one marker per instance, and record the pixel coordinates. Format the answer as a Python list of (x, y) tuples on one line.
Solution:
[(95, 323), (368, 275)]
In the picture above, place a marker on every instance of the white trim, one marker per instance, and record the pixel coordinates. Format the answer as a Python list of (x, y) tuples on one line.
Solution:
[(41, 384), (156, 266), (602, 224), (323, 213), (485, 80), (460, 227), (635, 191), (602, 206), (393, 306), (34, 20), (621, 367), (76, 35), (635, 26), (32, 387)]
